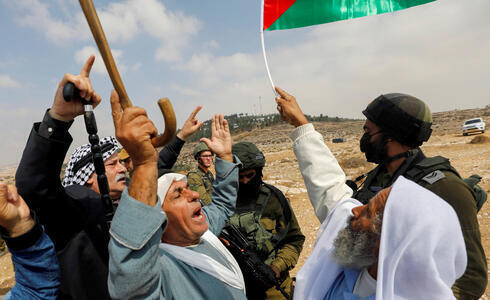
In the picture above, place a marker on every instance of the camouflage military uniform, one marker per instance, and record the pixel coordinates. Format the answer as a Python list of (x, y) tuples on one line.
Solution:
[(270, 217), (201, 182), (266, 219)]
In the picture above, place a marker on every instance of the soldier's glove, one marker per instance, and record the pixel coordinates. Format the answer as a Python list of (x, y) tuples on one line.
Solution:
[(268, 276)]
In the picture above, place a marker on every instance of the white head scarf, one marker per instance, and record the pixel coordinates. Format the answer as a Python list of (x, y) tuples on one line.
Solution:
[(164, 183), (422, 250), (424, 261), (230, 275)]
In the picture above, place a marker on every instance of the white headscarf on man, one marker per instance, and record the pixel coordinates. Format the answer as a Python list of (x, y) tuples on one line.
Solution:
[(229, 275), (422, 250)]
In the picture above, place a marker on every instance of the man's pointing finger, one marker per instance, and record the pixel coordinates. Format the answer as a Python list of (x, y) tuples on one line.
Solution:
[(283, 93), (195, 111), (87, 66)]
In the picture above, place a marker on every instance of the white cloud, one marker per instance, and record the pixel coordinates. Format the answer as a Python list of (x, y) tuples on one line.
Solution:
[(212, 44), (99, 68), (173, 29), (119, 21), (24, 117), (7, 82), (211, 70), (185, 91), (16, 136), (337, 68), (122, 22), (37, 15), (136, 66)]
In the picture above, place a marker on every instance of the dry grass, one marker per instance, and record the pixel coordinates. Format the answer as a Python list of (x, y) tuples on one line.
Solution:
[(282, 170)]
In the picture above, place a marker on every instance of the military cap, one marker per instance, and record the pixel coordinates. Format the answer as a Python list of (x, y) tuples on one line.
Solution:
[(250, 156), (404, 118), (200, 148)]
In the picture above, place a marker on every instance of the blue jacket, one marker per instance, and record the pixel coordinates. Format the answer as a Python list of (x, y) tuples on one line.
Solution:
[(37, 273), (343, 286), (139, 269)]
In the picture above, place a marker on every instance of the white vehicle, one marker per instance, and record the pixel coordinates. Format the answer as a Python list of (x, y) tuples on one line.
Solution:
[(473, 125)]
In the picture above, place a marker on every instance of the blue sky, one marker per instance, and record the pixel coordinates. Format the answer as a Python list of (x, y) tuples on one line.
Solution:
[(209, 55)]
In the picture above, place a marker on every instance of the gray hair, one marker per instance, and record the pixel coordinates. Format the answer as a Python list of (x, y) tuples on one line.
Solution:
[(356, 248)]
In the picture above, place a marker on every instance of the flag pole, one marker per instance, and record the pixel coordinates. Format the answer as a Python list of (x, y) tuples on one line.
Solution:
[(263, 47)]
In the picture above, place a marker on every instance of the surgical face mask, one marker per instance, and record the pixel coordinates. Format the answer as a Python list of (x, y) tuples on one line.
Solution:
[(375, 152)]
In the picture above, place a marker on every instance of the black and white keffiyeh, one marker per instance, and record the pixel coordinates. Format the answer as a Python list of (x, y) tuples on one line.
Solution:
[(80, 167)]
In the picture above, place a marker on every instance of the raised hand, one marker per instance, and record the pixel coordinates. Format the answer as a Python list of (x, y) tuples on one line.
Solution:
[(289, 108), (134, 131), (191, 125), (67, 111), (220, 142), (15, 215)]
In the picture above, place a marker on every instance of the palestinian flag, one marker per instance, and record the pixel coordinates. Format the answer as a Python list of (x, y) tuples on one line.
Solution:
[(287, 14)]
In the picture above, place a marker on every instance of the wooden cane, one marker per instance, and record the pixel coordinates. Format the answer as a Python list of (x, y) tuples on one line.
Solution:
[(164, 103)]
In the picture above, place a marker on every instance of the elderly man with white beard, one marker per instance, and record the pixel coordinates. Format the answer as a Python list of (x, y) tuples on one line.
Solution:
[(391, 248), (163, 243), (413, 249)]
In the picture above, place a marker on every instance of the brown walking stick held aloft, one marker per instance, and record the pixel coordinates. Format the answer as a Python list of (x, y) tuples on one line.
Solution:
[(164, 103)]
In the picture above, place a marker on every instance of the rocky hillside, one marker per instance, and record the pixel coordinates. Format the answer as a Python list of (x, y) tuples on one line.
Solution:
[(469, 154)]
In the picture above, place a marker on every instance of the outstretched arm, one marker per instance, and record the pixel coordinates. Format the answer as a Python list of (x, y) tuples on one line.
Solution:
[(136, 228), (37, 273), (289, 109), (38, 174), (322, 174), (169, 154), (225, 187)]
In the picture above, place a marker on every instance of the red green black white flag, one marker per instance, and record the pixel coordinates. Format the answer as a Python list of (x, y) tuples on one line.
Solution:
[(288, 14)]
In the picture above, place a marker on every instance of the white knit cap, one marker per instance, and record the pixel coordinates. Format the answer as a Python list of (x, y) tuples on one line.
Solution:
[(164, 183)]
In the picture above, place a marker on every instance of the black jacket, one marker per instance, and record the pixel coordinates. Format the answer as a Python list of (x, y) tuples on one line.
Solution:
[(168, 155), (73, 217)]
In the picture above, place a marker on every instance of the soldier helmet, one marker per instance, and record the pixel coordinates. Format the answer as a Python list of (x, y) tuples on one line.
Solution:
[(250, 156), (402, 117), (200, 148)]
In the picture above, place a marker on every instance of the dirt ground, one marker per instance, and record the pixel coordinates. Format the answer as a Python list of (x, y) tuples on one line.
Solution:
[(282, 169)]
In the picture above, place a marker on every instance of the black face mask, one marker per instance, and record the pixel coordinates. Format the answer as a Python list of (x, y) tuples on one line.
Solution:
[(251, 189), (375, 152)]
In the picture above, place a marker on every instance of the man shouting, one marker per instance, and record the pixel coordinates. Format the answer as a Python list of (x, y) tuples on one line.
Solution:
[(174, 253)]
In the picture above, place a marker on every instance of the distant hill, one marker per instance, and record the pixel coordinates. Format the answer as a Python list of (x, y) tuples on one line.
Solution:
[(245, 122)]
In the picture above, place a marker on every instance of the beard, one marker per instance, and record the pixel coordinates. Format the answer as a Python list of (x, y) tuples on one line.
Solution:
[(355, 248)]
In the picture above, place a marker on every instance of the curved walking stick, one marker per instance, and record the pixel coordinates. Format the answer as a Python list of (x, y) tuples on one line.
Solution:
[(164, 103)]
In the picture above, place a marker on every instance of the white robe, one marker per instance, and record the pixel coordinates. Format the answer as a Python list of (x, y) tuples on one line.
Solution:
[(422, 251)]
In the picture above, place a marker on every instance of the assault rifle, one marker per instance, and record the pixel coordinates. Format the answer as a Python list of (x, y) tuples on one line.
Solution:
[(255, 272)]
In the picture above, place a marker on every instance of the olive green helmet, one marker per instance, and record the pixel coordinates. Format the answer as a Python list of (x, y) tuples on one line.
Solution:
[(250, 156), (402, 117), (200, 148)]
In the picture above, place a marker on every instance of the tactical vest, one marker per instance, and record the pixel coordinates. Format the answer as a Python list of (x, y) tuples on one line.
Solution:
[(207, 180), (247, 219), (423, 171)]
